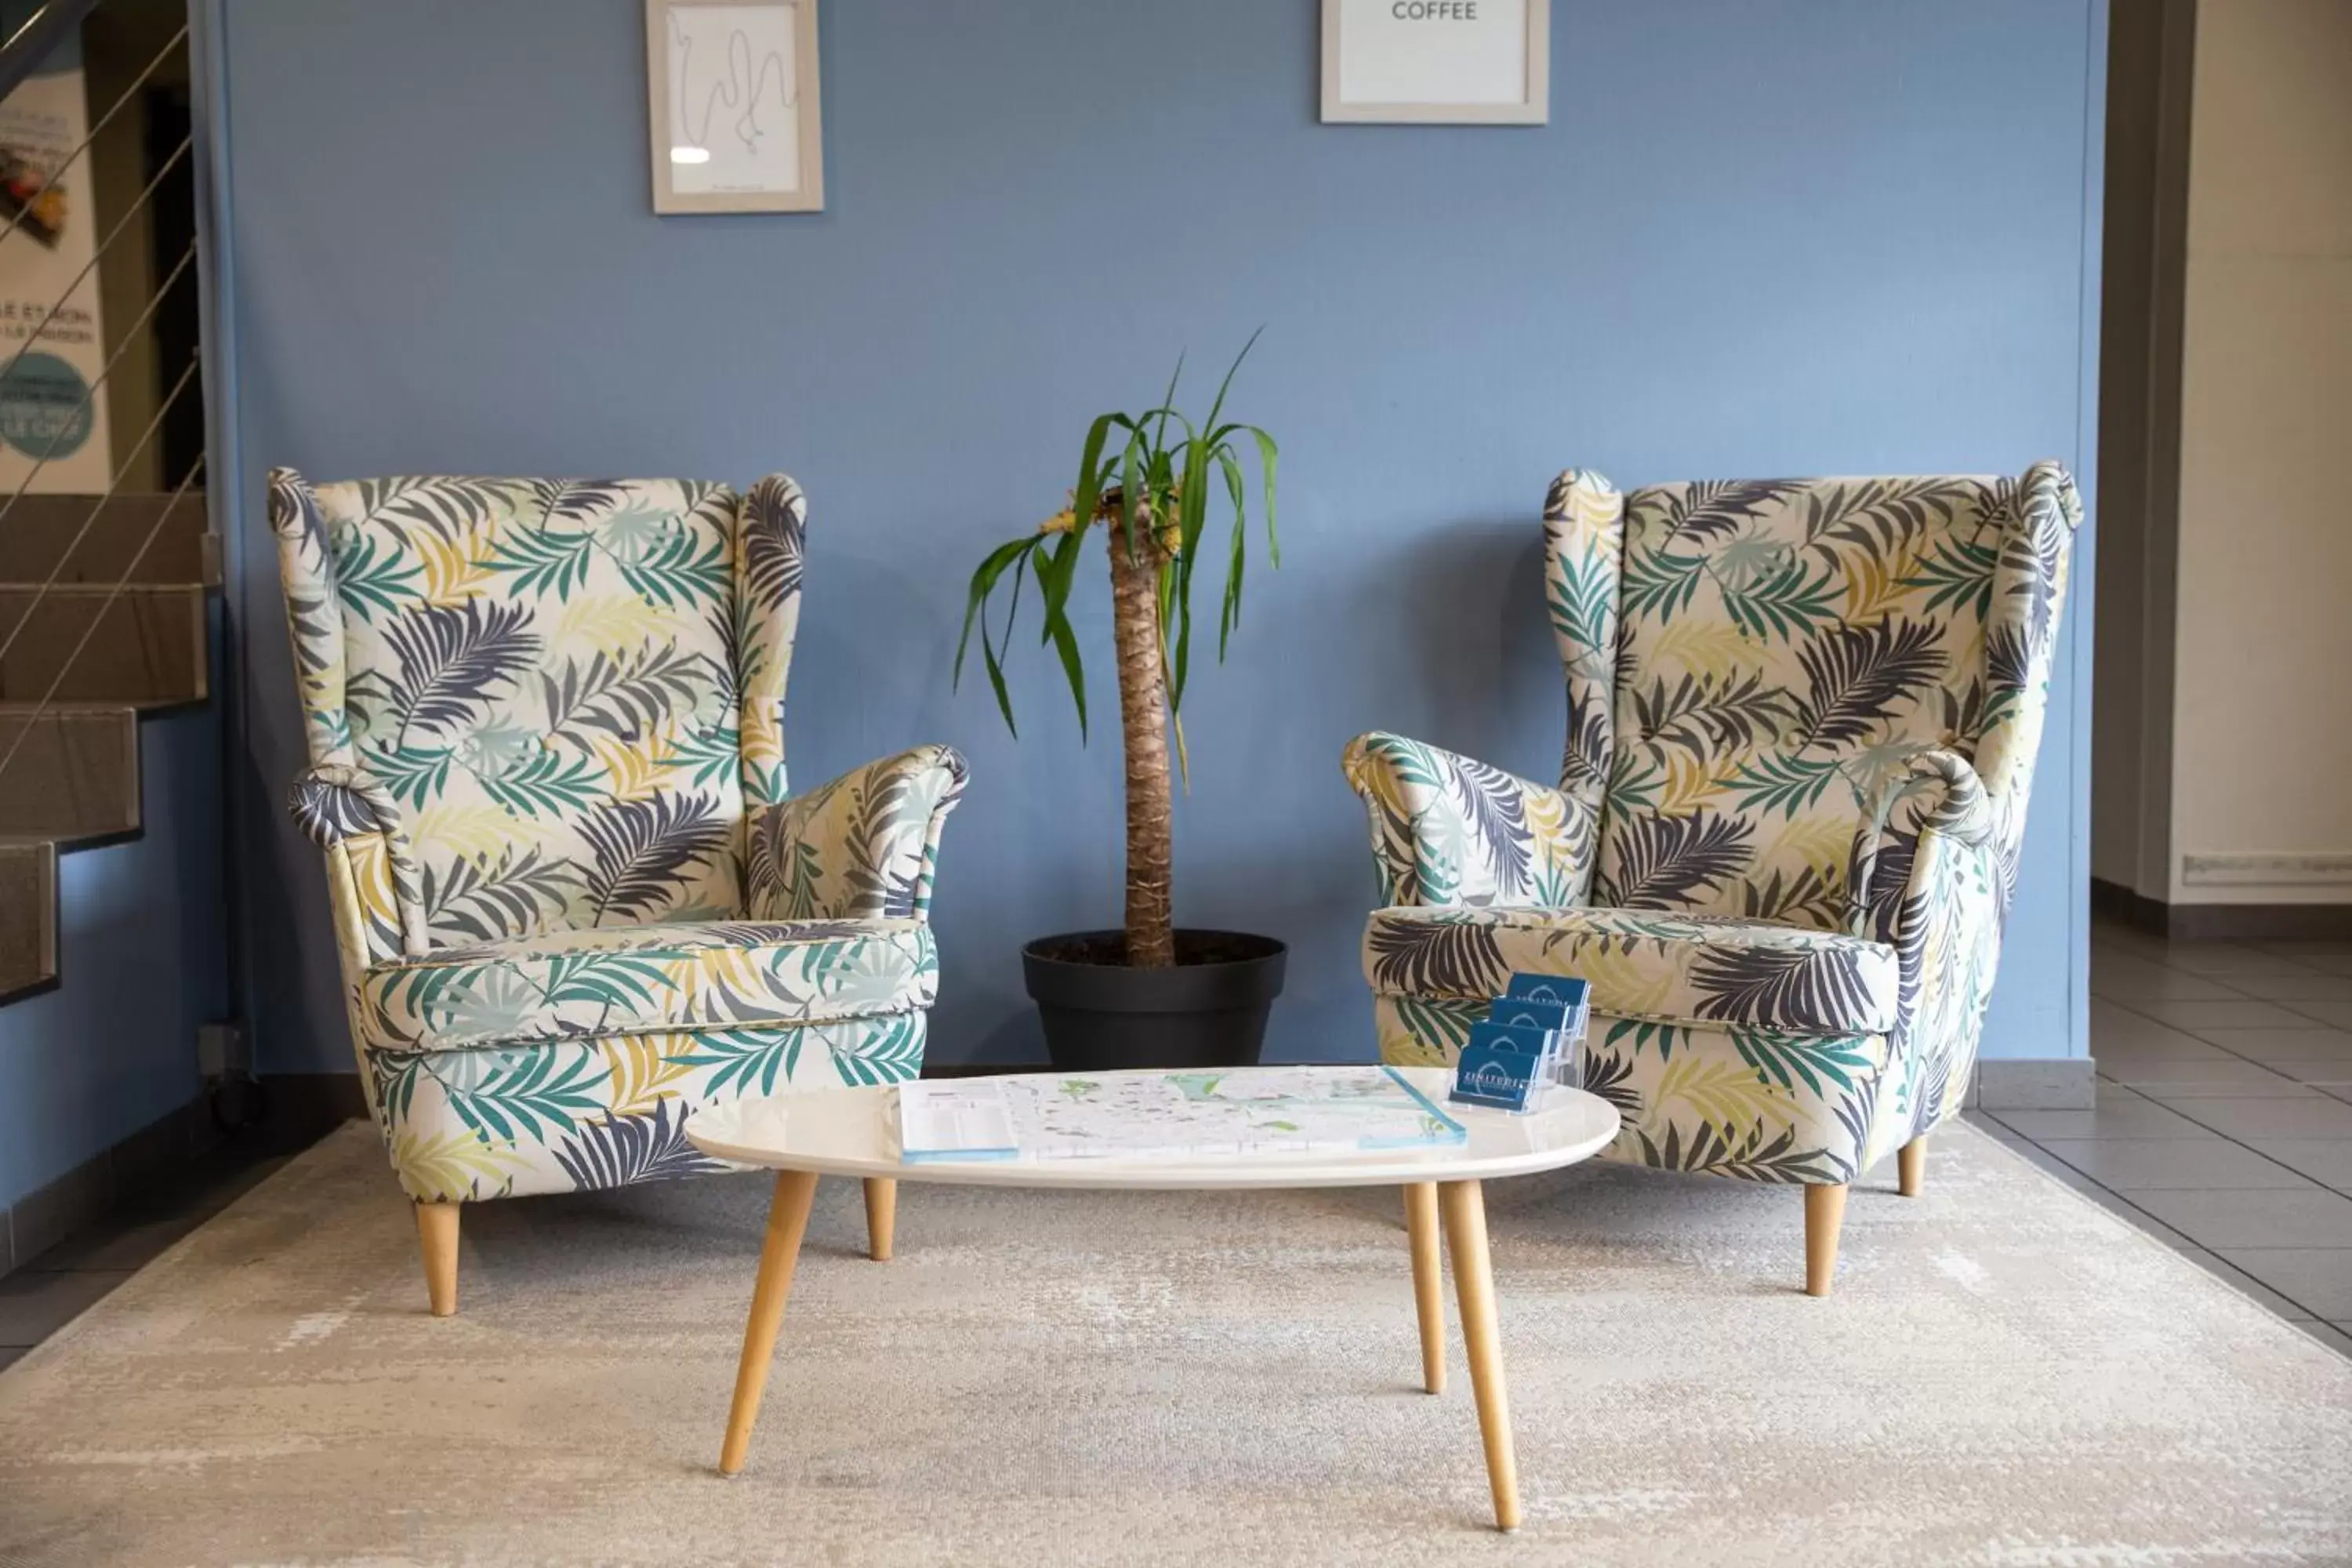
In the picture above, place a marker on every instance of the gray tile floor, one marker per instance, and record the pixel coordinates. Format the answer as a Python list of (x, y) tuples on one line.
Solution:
[(2224, 1118)]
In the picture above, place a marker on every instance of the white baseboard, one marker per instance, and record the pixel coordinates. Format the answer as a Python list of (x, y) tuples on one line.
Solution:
[(2316, 869)]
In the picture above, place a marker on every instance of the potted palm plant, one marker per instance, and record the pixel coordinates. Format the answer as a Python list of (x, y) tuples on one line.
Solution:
[(1149, 993)]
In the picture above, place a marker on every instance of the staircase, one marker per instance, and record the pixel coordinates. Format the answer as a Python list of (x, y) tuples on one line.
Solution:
[(103, 624)]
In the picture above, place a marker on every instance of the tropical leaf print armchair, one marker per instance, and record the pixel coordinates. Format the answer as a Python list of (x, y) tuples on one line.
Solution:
[(1802, 719), (572, 898)]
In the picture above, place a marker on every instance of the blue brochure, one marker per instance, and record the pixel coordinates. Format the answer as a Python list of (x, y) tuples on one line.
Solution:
[(1525, 1013), (1498, 1067), (1562, 988)]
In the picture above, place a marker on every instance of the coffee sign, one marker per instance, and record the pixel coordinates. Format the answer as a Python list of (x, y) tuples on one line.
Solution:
[(1467, 62)]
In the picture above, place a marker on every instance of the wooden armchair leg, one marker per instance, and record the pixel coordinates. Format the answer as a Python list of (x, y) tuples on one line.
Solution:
[(1824, 1212), (1911, 1167), (436, 1227), (881, 1216)]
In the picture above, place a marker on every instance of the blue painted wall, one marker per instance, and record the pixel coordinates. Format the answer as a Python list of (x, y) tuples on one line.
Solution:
[(1803, 235)]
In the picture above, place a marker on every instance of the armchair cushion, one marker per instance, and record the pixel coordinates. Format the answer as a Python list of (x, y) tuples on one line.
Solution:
[(1687, 971), (649, 979)]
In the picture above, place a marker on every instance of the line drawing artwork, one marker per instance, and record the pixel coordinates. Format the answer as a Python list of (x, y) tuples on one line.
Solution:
[(734, 97)]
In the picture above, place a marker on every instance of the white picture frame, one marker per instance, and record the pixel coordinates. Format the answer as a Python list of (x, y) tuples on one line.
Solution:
[(734, 122), (1437, 62)]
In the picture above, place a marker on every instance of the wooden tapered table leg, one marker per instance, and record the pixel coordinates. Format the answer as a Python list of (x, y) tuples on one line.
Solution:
[(881, 1216), (1428, 1281), (787, 1221), (1465, 1207)]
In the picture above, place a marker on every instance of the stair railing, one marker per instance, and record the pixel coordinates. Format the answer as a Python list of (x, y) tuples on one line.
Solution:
[(38, 38), (24, 53)]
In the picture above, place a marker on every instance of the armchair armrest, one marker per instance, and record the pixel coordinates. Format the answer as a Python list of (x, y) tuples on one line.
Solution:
[(347, 809), (861, 846), (1930, 879), (1447, 830), (1938, 802)]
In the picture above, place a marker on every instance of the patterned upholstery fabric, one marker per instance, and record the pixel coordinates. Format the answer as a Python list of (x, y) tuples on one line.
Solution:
[(627, 980), (573, 896), (1802, 719), (1671, 969)]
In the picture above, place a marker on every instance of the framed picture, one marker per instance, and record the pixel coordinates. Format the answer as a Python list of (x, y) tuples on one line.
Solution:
[(733, 110), (1437, 62)]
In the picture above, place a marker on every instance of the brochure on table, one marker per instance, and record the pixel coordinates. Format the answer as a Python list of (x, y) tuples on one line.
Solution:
[(1180, 1115), (1530, 1046)]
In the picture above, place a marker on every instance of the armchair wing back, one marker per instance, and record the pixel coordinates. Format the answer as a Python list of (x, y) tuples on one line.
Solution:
[(1759, 672), (570, 692), (1802, 720), (574, 898)]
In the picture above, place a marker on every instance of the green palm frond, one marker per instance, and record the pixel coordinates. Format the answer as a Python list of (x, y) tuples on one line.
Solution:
[(1957, 573), (535, 1092), (1785, 784), (414, 774), (1785, 603), (682, 566), (711, 756), (1150, 490), (746, 1061), (374, 574), (544, 560), (548, 783), (1659, 586), (1582, 598), (1819, 1064), (889, 1052)]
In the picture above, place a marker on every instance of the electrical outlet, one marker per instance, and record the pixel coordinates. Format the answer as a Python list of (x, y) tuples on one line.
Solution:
[(221, 1050)]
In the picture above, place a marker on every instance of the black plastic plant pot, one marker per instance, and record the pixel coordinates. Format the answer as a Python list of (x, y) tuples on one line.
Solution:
[(1209, 1011)]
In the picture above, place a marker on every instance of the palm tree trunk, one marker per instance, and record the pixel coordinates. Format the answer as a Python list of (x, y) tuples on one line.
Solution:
[(1144, 720)]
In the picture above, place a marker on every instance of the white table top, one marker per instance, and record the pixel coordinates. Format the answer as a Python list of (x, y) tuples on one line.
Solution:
[(854, 1133)]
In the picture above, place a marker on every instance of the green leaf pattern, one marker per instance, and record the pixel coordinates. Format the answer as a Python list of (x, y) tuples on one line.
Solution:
[(1802, 720), (632, 980), (572, 893), (571, 1113), (1690, 970)]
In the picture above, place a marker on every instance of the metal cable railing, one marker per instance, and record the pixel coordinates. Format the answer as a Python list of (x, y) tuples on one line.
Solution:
[(38, 38), (24, 54), (103, 121), (98, 616), (163, 409), (105, 245), (154, 301)]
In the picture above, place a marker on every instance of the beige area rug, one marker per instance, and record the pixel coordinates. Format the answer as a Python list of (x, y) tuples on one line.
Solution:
[(2008, 1375)]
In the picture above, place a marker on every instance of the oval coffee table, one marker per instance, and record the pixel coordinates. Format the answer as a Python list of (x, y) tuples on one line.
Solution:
[(854, 1133)]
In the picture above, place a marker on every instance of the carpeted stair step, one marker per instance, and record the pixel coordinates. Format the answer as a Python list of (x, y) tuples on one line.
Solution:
[(83, 539), (148, 647), (28, 916), (68, 772), (105, 600)]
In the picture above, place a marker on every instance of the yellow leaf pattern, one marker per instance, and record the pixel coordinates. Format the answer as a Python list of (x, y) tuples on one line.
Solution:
[(544, 724), (1815, 704)]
